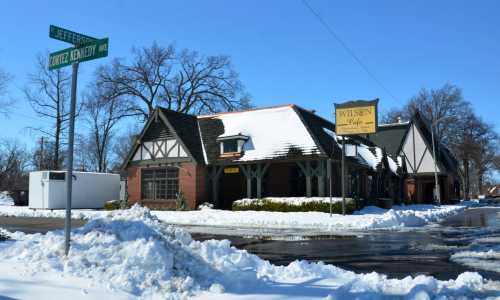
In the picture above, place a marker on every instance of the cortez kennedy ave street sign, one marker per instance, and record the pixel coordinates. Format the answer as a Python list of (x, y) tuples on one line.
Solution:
[(93, 50)]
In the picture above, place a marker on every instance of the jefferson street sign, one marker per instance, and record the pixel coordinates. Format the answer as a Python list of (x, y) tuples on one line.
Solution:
[(69, 36), (96, 49)]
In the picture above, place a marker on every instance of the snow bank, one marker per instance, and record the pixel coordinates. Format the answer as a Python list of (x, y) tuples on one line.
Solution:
[(25, 211), (5, 199), (289, 200), (133, 252), (368, 218)]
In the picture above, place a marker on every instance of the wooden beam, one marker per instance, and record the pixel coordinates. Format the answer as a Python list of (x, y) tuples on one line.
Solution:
[(247, 172), (308, 179), (215, 175)]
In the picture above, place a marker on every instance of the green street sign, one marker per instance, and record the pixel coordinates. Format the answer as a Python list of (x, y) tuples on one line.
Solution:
[(97, 49), (69, 36)]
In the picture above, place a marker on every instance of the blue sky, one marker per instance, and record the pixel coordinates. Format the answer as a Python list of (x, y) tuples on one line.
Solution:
[(281, 51)]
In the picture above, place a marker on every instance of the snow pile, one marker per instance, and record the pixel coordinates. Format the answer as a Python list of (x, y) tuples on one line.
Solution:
[(272, 132), (129, 250), (133, 252), (5, 199), (289, 200), (25, 211), (368, 218)]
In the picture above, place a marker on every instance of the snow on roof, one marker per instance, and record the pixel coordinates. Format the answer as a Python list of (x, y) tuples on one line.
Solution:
[(365, 152), (272, 132), (392, 164), (372, 159), (394, 124)]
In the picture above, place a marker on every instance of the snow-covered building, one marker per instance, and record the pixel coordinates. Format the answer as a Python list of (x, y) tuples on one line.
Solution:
[(280, 151), (410, 143), (276, 151)]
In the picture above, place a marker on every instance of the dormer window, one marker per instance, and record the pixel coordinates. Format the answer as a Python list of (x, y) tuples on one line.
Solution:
[(232, 145), (229, 146)]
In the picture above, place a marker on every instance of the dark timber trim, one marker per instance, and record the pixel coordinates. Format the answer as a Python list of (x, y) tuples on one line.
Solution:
[(309, 171), (256, 171)]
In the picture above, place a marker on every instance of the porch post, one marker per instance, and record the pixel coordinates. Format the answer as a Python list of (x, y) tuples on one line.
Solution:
[(215, 185), (321, 178), (261, 170), (308, 179), (247, 170)]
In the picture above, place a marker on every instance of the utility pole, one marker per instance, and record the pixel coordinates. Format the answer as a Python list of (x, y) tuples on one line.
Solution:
[(40, 163), (437, 191), (343, 175)]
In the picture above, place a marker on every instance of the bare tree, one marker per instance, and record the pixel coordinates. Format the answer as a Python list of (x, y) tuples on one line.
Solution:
[(48, 95), (394, 115), (42, 157), (103, 109), (5, 104), (13, 163), (184, 81), (485, 151), (446, 102), (122, 145)]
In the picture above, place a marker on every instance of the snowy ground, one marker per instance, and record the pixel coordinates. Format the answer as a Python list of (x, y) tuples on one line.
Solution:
[(290, 200), (131, 254), (482, 250), (367, 218), (5, 199)]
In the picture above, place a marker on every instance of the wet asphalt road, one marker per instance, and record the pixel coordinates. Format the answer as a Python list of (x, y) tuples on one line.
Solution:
[(395, 253), (35, 225)]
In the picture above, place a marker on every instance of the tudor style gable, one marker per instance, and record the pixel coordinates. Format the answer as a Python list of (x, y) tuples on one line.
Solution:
[(159, 142), (417, 151), (162, 141)]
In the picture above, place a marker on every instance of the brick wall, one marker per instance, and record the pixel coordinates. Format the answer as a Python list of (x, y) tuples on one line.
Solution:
[(134, 184), (191, 182)]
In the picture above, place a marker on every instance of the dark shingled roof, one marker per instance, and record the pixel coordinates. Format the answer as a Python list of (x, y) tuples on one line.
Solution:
[(389, 137), (210, 129), (186, 127), (316, 126)]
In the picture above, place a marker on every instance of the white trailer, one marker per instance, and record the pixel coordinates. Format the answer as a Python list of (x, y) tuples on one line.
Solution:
[(47, 189)]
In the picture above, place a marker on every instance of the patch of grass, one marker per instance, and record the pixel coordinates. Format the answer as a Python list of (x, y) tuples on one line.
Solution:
[(112, 205), (268, 205)]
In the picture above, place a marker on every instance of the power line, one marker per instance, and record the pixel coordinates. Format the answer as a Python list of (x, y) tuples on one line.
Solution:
[(349, 50)]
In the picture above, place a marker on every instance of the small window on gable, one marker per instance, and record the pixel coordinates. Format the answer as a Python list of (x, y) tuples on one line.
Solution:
[(229, 146), (232, 144)]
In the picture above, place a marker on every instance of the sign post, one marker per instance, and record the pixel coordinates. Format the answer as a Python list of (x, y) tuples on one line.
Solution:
[(85, 48), (351, 118)]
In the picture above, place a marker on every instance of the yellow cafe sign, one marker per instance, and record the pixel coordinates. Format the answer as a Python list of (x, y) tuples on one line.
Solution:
[(356, 117)]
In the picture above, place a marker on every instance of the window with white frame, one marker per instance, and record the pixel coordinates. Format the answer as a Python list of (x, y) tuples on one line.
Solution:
[(232, 144)]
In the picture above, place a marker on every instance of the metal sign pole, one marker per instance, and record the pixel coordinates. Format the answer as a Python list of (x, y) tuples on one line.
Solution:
[(69, 174), (343, 176), (329, 173)]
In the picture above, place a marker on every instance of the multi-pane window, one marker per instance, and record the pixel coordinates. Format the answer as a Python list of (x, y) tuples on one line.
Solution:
[(230, 146), (160, 183)]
